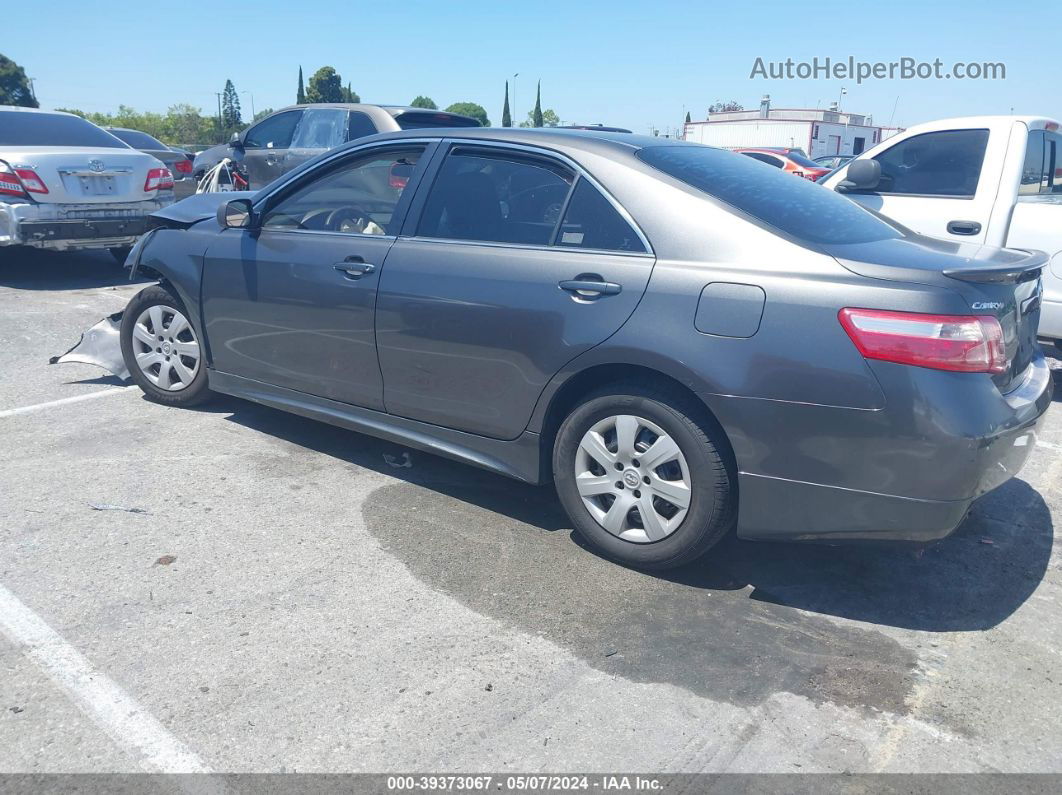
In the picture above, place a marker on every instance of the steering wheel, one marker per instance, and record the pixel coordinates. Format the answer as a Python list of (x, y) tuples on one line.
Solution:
[(547, 198), (350, 218)]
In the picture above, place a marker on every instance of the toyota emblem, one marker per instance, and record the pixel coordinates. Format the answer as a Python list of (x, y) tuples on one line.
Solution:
[(96, 165)]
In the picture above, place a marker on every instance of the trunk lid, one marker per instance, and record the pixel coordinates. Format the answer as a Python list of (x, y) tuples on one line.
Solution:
[(85, 175), (1001, 282)]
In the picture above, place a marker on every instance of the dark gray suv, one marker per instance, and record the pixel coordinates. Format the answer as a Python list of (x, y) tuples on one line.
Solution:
[(684, 340)]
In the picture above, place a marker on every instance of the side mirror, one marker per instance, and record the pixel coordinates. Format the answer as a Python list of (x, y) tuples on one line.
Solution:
[(861, 175), (236, 214)]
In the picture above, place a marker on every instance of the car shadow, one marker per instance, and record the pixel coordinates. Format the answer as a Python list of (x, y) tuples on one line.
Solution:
[(30, 269), (972, 580)]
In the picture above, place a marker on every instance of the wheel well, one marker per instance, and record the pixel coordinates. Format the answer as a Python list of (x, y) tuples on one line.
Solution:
[(576, 388)]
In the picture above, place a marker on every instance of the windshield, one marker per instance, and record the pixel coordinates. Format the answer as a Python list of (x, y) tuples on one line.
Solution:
[(139, 140), (21, 128), (798, 207)]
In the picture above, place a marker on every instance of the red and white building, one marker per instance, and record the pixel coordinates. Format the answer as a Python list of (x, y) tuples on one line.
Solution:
[(817, 132)]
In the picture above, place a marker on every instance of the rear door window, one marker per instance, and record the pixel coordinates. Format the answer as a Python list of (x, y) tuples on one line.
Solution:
[(1033, 170), (495, 196), (797, 207), (1052, 163), (592, 222), (945, 163), (320, 128), (274, 132), (27, 128), (360, 126)]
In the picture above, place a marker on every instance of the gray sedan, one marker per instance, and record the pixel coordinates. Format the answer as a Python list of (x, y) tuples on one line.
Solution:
[(684, 340)]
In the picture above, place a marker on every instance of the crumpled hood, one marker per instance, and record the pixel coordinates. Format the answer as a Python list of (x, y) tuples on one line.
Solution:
[(194, 209)]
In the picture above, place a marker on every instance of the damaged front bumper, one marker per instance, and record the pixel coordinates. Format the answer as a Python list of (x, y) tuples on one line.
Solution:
[(101, 345), (64, 227)]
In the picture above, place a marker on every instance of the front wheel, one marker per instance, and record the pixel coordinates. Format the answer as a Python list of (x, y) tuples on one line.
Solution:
[(643, 476), (162, 349)]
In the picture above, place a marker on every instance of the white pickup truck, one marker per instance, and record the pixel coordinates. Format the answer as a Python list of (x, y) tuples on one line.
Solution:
[(995, 180)]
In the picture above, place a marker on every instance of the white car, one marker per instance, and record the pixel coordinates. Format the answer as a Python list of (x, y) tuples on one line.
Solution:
[(995, 180), (66, 184)]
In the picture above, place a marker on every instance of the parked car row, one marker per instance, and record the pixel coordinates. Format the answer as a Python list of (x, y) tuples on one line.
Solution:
[(289, 137), (67, 184), (681, 339)]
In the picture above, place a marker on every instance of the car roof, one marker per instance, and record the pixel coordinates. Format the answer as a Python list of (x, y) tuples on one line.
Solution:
[(393, 110), (587, 140), (21, 109)]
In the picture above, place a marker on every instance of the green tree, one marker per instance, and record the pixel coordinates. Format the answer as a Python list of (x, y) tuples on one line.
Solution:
[(15, 87), (300, 95), (549, 118), (349, 95), (261, 115), (507, 118), (325, 86), (724, 107), (688, 119), (477, 112), (422, 101), (230, 107), (537, 112)]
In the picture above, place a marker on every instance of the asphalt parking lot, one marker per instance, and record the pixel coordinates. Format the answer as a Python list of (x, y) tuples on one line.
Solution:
[(238, 589)]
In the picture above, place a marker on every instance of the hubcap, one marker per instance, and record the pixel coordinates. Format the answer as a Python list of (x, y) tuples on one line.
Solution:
[(166, 348), (633, 478)]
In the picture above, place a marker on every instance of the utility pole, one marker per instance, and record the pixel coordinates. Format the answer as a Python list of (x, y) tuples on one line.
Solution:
[(221, 131), (515, 113), (248, 93)]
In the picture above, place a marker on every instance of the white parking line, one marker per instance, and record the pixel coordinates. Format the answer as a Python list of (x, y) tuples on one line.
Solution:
[(64, 401), (104, 701), (1049, 446)]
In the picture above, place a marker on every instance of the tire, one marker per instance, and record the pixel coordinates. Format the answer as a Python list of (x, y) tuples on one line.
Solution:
[(175, 373), (120, 254), (700, 473)]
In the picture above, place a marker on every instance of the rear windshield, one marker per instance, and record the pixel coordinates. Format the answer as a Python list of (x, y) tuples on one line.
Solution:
[(418, 121), (800, 160), (791, 204), (19, 128), (139, 140)]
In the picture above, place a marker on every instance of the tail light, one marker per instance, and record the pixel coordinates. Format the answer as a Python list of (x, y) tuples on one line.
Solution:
[(961, 343), (158, 179), (183, 166), (20, 181)]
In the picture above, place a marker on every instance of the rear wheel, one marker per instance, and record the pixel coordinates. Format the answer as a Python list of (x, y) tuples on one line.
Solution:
[(642, 475), (162, 349)]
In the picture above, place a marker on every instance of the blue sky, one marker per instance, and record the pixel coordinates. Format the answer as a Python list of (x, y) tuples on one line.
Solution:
[(609, 61)]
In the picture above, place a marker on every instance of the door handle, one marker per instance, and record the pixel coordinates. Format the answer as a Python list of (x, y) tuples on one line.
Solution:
[(590, 288), (354, 268), (964, 227)]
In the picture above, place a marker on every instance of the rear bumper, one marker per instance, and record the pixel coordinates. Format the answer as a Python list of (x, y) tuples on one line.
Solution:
[(64, 227), (908, 472)]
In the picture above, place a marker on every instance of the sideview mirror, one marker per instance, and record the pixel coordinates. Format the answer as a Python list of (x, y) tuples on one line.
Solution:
[(236, 214), (861, 175)]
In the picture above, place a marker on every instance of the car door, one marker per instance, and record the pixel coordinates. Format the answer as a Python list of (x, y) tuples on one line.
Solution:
[(931, 182), (319, 130), (265, 146), (515, 263), (291, 302)]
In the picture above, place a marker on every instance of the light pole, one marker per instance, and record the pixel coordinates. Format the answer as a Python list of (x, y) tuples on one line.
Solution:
[(248, 93), (515, 116), (221, 124), (840, 97)]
